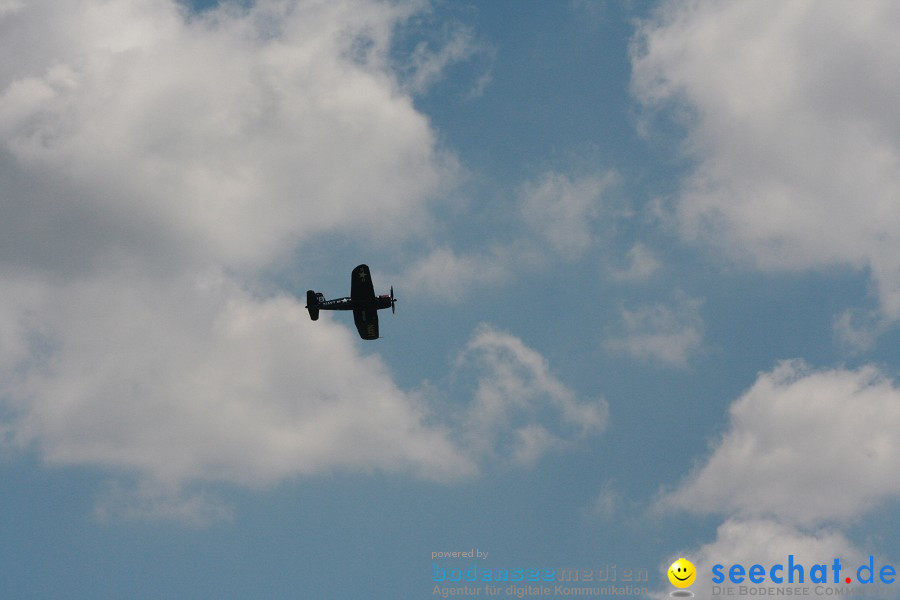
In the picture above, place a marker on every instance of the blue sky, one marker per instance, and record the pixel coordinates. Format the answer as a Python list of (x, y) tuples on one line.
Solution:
[(646, 257)]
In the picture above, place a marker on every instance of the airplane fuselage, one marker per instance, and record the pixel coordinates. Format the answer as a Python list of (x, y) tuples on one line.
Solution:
[(349, 303)]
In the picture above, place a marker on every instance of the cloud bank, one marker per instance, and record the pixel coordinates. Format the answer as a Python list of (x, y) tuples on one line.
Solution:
[(153, 164), (807, 453), (789, 110), (794, 142), (230, 135), (793, 436)]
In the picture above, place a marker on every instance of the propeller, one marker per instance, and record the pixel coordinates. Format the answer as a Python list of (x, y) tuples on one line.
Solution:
[(393, 302)]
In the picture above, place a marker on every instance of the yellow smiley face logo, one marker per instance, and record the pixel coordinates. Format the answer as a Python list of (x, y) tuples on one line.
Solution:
[(682, 573)]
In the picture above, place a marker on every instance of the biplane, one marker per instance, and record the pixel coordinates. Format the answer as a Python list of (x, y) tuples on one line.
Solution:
[(362, 301)]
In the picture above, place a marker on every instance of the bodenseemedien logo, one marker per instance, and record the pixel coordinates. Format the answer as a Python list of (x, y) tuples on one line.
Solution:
[(682, 574)]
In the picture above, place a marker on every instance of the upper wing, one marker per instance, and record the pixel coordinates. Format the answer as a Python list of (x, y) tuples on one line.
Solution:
[(366, 320), (361, 288)]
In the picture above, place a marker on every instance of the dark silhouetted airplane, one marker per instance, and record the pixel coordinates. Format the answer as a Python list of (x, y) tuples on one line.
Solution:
[(362, 301)]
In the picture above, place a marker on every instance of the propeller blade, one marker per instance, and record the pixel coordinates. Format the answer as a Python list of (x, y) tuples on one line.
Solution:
[(393, 302)]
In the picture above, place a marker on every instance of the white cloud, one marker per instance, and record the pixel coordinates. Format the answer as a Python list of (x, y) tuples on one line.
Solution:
[(669, 334), (641, 264), (153, 502), (426, 64), (792, 122), (858, 330), (234, 134), (447, 275), (554, 220), (605, 506), (561, 210), (805, 447), (520, 408), (152, 163), (791, 125), (204, 382), (199, 382)]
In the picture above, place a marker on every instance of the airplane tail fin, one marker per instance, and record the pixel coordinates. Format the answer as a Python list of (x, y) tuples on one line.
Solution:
[(312, 305)]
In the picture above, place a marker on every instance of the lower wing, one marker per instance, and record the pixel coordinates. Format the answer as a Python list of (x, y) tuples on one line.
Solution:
[(366, 320)]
